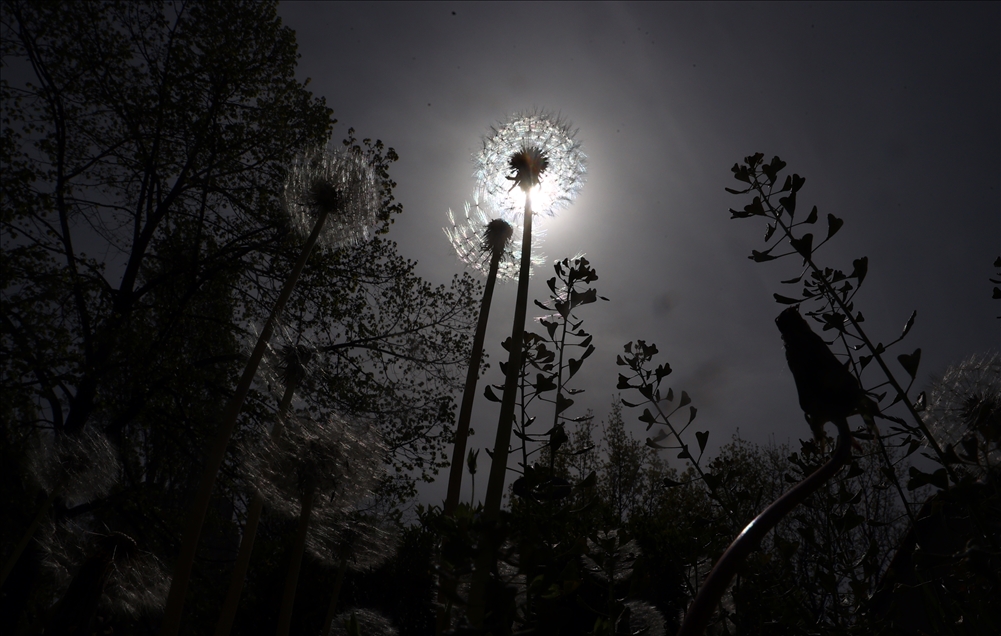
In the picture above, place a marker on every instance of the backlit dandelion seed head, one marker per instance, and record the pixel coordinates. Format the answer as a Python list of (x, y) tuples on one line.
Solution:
[(370, 623), (137, 581), (82, 466), (339, 181), (339, 459), (288, 359), (476, 235), (645, 619), (365, 541), (966, 405), (531, 151)]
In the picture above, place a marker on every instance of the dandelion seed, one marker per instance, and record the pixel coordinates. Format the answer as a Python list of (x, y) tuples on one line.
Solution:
[(542, 152)]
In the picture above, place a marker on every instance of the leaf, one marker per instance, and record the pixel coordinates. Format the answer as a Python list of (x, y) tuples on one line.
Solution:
[(627, 403), (670, 483), (542, 306), (803, 245), (797, 182), (785, 300), (584, 298), (812, 217), (910, 362), (691, 414), (860, 266), (588, 351), (761, 257), (544, 383), (624, 383), (789, 203), (684, 399), (792, 281), (488, 393), (574, 366), (702, 437), (939, 479), (910, 323), (647, 418), (562, 403), (833, 224)]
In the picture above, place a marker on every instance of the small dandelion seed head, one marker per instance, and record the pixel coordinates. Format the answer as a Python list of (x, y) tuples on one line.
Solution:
[(338, 459), (542, 152), (964, 410), (364, 540), (82, 466), (336, 181), (137, 582), (481, 231), (369, 622), (645, 619)]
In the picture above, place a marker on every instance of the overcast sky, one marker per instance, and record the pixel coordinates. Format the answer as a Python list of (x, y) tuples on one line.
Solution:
[(891, 111)]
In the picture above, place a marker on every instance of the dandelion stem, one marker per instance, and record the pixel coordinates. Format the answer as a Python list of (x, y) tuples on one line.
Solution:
[(237, 579), (292, 580), (332, 608), (498, 465), (196, 516), (30, 532), (469, 393)]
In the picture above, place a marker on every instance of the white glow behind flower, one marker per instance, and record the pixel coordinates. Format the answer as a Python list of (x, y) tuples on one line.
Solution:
[(560, 182), (466, 237), (341, 179)]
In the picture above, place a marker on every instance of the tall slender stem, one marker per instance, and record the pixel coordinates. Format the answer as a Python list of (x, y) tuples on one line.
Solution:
[(292, 580), (239, 576), (469, 392), (498, 464), (196, 516), (332, 608)]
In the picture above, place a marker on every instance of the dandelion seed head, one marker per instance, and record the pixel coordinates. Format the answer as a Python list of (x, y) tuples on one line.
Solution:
[(82, 466), (482, 231), (645, 619), (337, 181), (540, 154), (370, 623), (364, 540), (137, 582), (964, 410), (341, 460)]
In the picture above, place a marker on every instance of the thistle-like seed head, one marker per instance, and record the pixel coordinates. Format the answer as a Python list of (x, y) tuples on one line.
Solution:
[(475, 238), (528, 164)]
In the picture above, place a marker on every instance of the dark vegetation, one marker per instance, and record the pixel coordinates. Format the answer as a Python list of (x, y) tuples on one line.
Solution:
[(143, 153)]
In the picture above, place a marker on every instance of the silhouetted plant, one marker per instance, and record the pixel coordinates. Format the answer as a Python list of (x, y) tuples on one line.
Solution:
[(539, 155), (831, 293), (316, 468), (333, 194)]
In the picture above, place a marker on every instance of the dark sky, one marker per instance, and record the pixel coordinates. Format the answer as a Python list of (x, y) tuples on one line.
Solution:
[(892, 112)]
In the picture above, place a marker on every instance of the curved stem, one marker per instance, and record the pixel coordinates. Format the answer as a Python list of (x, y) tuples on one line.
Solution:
[(719, 578), (196, 516)]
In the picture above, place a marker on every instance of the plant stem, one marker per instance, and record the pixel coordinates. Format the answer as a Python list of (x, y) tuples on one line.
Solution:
[(292, 579), (719, 578), (498, 464), (30, 532), (332, 608), (196, 516), (237, 579), (469, 392)]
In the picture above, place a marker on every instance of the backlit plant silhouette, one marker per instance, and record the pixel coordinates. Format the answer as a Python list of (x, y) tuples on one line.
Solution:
[(317, 469), (531, 163), (336, 195)]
